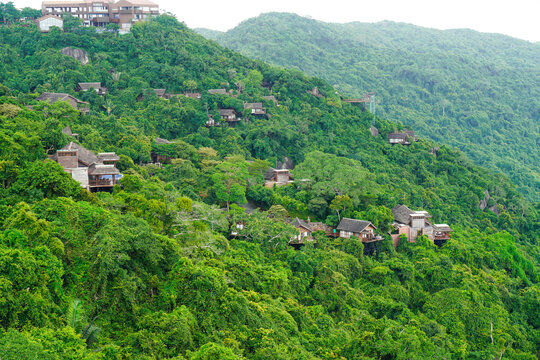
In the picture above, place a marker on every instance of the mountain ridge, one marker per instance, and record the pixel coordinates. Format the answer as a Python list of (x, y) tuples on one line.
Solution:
[(475, 91)]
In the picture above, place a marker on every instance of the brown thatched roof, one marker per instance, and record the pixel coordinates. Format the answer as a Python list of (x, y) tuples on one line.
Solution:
[(108, 156), (402, 214), (89, 85), (226, 112), (54, 97), (162, 141), (253, 105), (218, 91), (101, 169), (353, 225), (302, 223)]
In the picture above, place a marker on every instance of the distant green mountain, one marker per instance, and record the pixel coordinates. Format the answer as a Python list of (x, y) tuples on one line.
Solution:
[(478, 92)]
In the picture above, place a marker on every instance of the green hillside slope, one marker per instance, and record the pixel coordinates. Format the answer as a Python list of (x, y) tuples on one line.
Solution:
[(477, 92), (151, 270)]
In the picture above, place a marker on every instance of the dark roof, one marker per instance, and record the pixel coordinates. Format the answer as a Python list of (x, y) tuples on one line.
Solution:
[(54, 97), (89, 85), (302, 223), (226, 112), (402, 214), (159, 92), (269, 174), (253, 105), (101, 169), (85, 156), (162, 141), (217, 91), (353, 225), (409, 132), (108, 156), (397, 136)]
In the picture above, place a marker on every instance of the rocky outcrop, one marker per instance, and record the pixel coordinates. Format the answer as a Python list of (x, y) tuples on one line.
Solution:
[(286, 164), (484, 203), (77, 54), (374, 131)]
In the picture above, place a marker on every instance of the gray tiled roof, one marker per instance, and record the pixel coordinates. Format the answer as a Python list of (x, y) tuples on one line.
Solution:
[(353, 225)]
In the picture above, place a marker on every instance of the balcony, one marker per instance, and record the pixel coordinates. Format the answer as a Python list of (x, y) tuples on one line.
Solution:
[(101, 183)]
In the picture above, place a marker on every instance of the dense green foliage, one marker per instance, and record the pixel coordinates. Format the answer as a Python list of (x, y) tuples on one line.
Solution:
[(477, 92), (151, 271)]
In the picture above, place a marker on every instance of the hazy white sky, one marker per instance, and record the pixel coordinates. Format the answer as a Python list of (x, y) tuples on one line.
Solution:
[(517, 18)]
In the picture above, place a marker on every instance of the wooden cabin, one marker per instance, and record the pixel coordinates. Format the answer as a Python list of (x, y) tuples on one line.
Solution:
[(193, 95), (441, 234), (416, 223), (75, 103), (278, 177), (404, 137), (304, 233), (91, 85), (256, 108), (228, 115), (364, 230), (93, 172), (160, 93), (219, 92)]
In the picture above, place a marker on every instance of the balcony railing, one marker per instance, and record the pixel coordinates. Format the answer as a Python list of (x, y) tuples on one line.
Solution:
[(101, 182)]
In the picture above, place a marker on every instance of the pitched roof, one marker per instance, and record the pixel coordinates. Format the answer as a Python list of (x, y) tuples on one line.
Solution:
[(108, 156), (159, 92), (253, 105), (89, 85), (401, 213), (49, 16), (162, 141), (101, 169), (85, 156), (353, 225), (397, 136), (226, 112), (54, 97), (217, 91), (302, 223)]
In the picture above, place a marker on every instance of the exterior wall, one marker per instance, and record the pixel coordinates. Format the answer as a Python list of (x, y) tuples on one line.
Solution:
[(46, 24), (402, 230), (418, 222), (282, 177), (68, 159)]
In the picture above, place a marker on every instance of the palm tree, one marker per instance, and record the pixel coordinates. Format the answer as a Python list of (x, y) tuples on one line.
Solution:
[(75, 318)]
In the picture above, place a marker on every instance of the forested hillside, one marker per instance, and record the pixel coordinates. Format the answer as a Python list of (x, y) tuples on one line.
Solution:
[(477, 92), (151, 270)]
